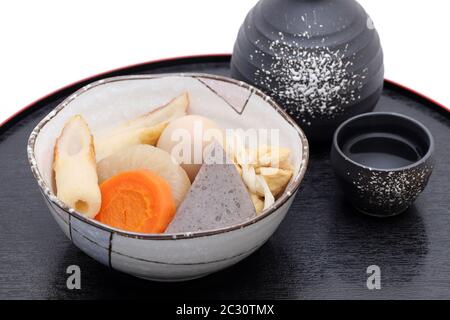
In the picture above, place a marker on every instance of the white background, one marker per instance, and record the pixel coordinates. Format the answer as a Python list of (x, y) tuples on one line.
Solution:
[(45, 44)]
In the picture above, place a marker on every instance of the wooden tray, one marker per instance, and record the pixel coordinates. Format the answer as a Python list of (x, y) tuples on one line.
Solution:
[(321, 250)]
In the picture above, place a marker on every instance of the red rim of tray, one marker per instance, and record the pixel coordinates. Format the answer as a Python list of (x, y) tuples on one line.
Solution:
[(220, 56)]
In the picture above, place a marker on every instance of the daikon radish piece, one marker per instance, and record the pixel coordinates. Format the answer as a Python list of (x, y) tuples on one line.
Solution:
[(145, 129), (151, 158), (75, 168)]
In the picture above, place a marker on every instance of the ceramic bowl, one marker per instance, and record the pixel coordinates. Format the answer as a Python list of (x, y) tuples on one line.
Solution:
[(383, 161), (167, 257), (321, 60)]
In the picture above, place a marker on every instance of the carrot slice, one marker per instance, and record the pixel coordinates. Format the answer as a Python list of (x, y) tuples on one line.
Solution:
[(137, 201)]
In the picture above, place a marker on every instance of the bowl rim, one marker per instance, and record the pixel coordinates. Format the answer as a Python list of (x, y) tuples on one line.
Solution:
[(290, 191), (418, 124)]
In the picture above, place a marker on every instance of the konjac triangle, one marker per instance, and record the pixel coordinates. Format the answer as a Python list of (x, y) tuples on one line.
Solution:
[(218, 198)]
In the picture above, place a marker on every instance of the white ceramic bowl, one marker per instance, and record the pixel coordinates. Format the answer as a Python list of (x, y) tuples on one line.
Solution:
[(166, 257)]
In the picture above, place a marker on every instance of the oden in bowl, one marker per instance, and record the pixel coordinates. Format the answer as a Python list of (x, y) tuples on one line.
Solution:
[(166, 257)]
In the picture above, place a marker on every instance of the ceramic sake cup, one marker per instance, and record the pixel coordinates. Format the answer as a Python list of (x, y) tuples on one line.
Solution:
[(383, 161), (167, 257)]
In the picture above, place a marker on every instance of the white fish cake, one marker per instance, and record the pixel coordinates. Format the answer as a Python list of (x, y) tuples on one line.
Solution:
[(145, 129)]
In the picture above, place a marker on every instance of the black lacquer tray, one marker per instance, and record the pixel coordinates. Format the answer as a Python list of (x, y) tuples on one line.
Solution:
[(321, 250)]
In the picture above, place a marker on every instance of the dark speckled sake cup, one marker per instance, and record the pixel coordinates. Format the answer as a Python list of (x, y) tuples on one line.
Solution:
[(383, 161)]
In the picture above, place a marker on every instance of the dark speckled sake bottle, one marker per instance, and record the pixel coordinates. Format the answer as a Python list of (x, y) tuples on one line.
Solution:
[(321, 60)]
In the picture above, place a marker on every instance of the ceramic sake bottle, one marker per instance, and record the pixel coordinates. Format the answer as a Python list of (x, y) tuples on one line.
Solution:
[(321, 60)]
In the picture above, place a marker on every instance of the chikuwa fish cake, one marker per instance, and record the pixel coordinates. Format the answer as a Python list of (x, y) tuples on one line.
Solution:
[(75, 168)]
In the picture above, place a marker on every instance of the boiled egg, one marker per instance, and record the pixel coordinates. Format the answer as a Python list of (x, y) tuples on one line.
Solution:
[(185, 139)]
